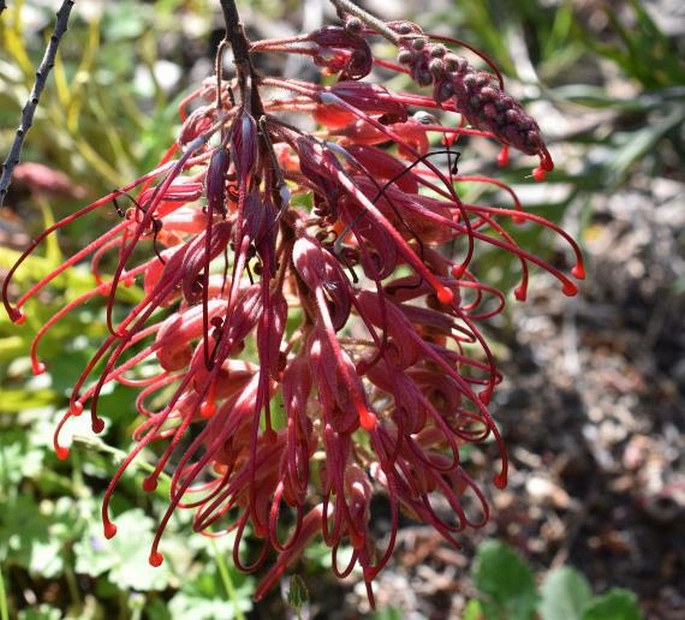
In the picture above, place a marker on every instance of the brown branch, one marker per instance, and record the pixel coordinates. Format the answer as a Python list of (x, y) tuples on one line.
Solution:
[(32, 103), (235, 34), (241, 46)]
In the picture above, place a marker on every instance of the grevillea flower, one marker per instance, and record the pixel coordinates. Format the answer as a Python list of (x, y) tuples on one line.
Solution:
[(309, 333)]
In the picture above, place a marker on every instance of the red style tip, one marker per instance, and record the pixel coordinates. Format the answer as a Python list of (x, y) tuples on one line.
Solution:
[(500, 480), (150, 484), (156, 558), (503, 156), (569, 289), (62, 453), (520, 293), (367, 419), (110, 530), (207, 410), (98, 425), (16, 316), (445, 295), (539, 174), (76, 408), (38, 368), (458, 271), (578, 271)]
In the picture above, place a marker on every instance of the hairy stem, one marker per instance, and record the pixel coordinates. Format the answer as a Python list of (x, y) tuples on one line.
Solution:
[(347, 6), (32, 103)]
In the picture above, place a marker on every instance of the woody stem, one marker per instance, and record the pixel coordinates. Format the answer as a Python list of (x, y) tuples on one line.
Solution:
[(235, 34), (236, 38)]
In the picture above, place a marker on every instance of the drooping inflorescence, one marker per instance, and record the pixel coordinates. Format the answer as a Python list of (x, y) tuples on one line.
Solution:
[(308, 336)]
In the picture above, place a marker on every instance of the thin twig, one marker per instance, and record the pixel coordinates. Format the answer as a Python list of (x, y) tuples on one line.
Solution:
[(32, 103)]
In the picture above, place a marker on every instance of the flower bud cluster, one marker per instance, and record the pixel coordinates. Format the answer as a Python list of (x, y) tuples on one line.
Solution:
[(477, 95)]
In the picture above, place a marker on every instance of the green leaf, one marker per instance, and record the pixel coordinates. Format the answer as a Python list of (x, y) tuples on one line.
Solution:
[(318, 556), (200, 608), (473, 611), (14, 401), (17, 459), (28, 538), (388, 613), (42, 612), (204, 598), (298, 595), (506, 581), (46, 559), (565, 594), (124, 557), (634, 145), (122, 22), (156, 609), (617, 604)]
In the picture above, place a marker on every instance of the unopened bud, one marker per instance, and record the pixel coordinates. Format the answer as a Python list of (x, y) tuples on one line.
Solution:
[(245, 144), (354, 25), (215, 181), (435, 66), (438, 51), (405, 57)]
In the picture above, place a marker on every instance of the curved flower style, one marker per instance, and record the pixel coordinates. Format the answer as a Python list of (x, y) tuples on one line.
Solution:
[(311, 309)]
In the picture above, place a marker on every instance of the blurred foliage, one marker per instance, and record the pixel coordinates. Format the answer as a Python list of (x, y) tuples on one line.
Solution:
[(108, 114), (507, 590), (107, 111)]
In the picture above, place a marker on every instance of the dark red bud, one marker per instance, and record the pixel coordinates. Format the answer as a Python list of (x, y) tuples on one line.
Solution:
[(215, 181), (245, 144)]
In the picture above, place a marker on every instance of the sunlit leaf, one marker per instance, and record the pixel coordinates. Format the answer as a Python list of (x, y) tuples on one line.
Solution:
[(617, 604), (124, 557), (565, 594), (506, 582)]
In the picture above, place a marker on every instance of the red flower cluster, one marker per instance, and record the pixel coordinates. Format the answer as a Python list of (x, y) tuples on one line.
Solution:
[(311, 310)]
